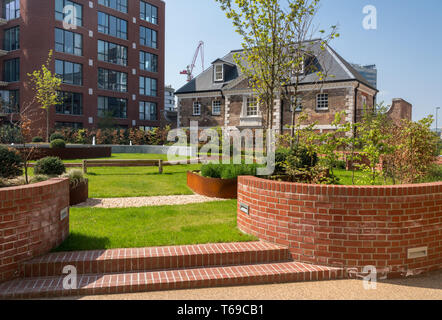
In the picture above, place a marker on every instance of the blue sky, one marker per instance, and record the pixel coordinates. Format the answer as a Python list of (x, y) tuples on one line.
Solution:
[(406, 47)]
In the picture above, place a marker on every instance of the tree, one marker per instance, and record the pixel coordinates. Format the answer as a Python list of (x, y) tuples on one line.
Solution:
[(373, 137), (413, 145), (46, 86), (273, 38)]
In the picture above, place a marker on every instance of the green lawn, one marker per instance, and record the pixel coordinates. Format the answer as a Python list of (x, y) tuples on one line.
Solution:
[(361, 178), (115, 182), (129, 156), (95, 229)]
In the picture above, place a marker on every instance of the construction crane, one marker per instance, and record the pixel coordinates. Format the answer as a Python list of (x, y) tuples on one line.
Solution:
[(189, 71)]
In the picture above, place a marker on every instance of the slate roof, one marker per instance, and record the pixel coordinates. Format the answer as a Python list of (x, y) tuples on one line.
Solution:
[(331, 63)]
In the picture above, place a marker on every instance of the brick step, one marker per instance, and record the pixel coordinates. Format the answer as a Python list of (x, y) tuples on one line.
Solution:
[(94, 284), (155, 258)]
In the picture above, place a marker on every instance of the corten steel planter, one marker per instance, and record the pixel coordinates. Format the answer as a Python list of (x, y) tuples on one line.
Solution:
[(79, 193), (213, 187)]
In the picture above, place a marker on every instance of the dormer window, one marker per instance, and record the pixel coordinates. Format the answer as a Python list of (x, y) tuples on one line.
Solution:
[(219, 73)]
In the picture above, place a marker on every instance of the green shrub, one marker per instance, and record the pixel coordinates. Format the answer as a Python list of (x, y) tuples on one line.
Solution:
[(11, 163), (56, 136), (341, 164), (39, 178), (58, 144), (37, 139), (228, 171), (294, 158), (211, 170), (50, 166), (10, 134), (75, 177), (434, 174)]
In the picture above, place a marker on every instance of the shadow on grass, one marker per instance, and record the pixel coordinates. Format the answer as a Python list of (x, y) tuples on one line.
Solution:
[(77, 240)]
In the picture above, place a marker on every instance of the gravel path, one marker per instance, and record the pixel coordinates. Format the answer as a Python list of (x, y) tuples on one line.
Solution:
[(145, 201), (428, 287)]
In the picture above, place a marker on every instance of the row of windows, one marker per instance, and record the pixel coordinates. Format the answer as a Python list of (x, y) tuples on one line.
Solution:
[(72, 104), (72, 73), (216, 108), (148, 12), (252, 105), (72, 43)]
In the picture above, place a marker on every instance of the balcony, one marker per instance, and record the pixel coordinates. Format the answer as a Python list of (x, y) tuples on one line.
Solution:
[(3, 21), (3, 83), (3, 53)]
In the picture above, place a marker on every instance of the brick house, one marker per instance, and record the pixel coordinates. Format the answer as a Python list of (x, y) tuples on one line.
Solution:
[(221, 95)]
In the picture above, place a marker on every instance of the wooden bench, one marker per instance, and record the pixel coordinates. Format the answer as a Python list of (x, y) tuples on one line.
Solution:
[(122, 163)]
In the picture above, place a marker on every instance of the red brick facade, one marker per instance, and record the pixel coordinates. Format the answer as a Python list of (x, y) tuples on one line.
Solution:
[(30, 223), (347, 226), (37, 36)]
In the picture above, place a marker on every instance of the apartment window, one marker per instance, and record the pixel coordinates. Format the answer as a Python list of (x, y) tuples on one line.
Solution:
[(69, 72), (71, 103), (148, 12), (252, 107), (148, 61), (196, 109), (77, 15), (148, 86), (148, 111), (68, 42), (148, 37), (10, 101), (115, 107), (216, 108), (112, 80), (112, 26), (11, 9), (112, 53), (298, 103), (11, 70), (72, 125), (322, 101), (219, 72), (12, 39), (119, 5)]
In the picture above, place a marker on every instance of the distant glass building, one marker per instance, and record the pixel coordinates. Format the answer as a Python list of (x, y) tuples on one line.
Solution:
[(369, 72)]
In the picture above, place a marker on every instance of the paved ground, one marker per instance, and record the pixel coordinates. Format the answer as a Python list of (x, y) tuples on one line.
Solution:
[(421, 288), (145, 201)]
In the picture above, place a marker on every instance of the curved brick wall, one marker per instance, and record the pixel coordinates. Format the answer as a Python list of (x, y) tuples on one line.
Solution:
[(347, 226), (30, 222)]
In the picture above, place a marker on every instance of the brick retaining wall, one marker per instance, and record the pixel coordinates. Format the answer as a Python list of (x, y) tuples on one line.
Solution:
[(30, 222), (347, 226)]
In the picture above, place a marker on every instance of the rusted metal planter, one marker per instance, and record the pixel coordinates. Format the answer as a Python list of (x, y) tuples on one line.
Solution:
[(79, 193), (212, 187)]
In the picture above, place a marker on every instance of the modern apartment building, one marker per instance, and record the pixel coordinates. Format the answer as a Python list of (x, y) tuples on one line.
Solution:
[(369, 72), (109, 54), (169, 99)]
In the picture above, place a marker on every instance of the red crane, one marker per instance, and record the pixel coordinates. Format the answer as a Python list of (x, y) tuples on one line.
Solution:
[(189, 71)]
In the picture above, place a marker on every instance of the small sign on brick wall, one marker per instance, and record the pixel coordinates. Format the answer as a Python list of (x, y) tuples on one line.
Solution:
[(244, 208), (64, 213)]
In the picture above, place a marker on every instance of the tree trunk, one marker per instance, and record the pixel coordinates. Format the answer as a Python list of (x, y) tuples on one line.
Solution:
[(47, 125)]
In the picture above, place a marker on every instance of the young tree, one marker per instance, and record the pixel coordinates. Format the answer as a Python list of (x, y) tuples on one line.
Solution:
[(373, 137), (273, 42), (46, 86)]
